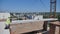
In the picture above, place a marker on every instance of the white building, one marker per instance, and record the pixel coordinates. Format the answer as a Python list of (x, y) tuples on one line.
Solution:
[(4, 15), (38, 17)]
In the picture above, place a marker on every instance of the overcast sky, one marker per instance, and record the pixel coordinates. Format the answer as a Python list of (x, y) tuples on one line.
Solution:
[(26, 5)]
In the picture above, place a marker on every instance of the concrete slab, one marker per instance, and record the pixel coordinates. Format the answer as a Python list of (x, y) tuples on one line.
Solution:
[(2, 30)]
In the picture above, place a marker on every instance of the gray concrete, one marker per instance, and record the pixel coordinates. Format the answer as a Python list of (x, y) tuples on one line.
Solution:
[(2, 30)]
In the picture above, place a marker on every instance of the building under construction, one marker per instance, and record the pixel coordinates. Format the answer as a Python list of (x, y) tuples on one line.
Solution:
[(39, 25)]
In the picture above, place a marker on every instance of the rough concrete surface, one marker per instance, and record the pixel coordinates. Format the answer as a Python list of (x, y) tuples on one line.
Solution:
[(2, 30)]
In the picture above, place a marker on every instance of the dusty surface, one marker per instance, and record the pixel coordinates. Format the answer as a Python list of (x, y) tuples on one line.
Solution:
[(26, 27), (2, 30)]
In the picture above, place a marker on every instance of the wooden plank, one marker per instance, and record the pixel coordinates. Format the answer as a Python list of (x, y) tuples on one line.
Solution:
[(57, 23)]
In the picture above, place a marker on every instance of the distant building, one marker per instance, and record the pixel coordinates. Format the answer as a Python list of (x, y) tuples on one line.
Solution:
[(38, 17), (4, 15)]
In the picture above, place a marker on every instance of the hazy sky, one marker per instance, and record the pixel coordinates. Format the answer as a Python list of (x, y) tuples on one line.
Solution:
[(26, 5)]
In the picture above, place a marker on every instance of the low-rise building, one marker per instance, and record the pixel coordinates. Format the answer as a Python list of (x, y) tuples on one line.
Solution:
[(4, 15)]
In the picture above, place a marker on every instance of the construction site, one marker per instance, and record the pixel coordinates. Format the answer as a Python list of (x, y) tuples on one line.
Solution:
[(31, 23)]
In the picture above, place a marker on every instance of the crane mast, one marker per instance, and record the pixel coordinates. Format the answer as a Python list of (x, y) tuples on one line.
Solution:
[(53, 8)]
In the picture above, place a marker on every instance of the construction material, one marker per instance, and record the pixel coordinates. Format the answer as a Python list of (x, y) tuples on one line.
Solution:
[(26, 27), (53, 26)]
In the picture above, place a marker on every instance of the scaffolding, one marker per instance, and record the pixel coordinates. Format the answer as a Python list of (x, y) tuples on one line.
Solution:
[(53, 8)]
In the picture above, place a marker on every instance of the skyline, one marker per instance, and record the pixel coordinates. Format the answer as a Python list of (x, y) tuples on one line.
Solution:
[(27, 5)]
